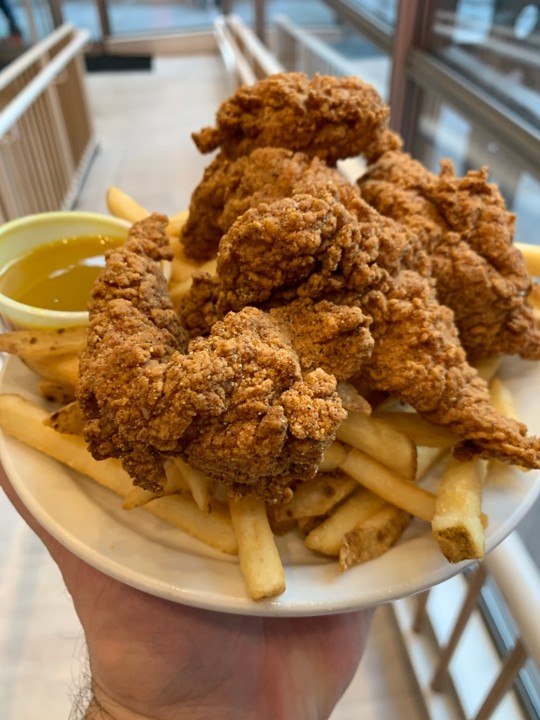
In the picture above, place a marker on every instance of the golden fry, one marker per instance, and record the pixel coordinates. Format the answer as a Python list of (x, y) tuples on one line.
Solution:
[(122, 205), (56, 392), (502, 398), (138, 496), (421, 432), (199, 484), (457, 524), (373, 536), (316, 496), (327, 537), (67, 420), (61, 369), (388, 485), (351, 398), (259, 558), (531, 253), (380, 440), (333, 456), (41, 345)]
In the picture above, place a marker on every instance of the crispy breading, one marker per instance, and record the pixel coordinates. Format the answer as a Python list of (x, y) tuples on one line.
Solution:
[(303, 246), (467, 233), (330, 117)]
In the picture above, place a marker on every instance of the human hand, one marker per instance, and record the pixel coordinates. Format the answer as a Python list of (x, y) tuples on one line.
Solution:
[(151, 659)]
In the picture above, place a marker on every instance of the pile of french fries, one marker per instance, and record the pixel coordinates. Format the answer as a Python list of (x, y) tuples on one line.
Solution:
[(368, 489)]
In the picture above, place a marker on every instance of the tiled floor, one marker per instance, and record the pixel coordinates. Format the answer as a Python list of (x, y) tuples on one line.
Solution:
[(143, 122)]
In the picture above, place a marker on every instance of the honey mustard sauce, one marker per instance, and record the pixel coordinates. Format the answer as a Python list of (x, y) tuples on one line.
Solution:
[(59, 275)]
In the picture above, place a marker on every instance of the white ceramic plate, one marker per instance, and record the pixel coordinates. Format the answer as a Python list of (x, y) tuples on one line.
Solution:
[(144, 552)]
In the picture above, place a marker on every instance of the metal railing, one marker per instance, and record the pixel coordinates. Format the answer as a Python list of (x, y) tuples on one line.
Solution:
[(464, 667), (46, 133)]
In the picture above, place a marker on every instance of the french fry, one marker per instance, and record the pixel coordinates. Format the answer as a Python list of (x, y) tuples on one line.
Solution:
[(24, 421), (388, 485), (332, 457), (181, 511), (122, 205), (531, 254), (457, 524), (487, 368), (181, 270), (427, 458), (40, 345), (420, 431), (373, 536), (502, 398), (67, 419), (316, 497), (55, 391), (534, 300), (351, 398), (199, 484), (380, 440), (61, 369), (259, 558), (178, 291), (326, 538), (138, 496), (176, 223)]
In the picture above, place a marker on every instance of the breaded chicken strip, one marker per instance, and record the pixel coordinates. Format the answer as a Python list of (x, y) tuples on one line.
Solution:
[(417, 358), (236, 404), (330, 117), (467, 232), (230, 187)]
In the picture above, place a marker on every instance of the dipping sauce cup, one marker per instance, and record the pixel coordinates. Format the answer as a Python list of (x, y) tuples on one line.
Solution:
[(48, 263)]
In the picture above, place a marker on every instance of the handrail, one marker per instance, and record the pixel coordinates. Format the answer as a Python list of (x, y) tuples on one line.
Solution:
[(33, 54), (46, 132), (265, 61), (16, 108), (243, 54)]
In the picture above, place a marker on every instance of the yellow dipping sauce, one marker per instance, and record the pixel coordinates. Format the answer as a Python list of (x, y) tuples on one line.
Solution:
[(60, 275)]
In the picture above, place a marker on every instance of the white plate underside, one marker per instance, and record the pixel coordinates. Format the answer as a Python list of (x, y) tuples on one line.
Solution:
[(144, 552)]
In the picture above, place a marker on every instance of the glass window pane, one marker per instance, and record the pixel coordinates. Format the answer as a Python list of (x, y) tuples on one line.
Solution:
[(385, 10), (495, 43), (444, 132), (333, 48)]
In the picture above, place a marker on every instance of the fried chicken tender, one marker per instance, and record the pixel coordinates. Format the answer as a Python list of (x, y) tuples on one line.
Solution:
[(230, 187), (418, 358), (467, 233), (330, 117), (236, 404)]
